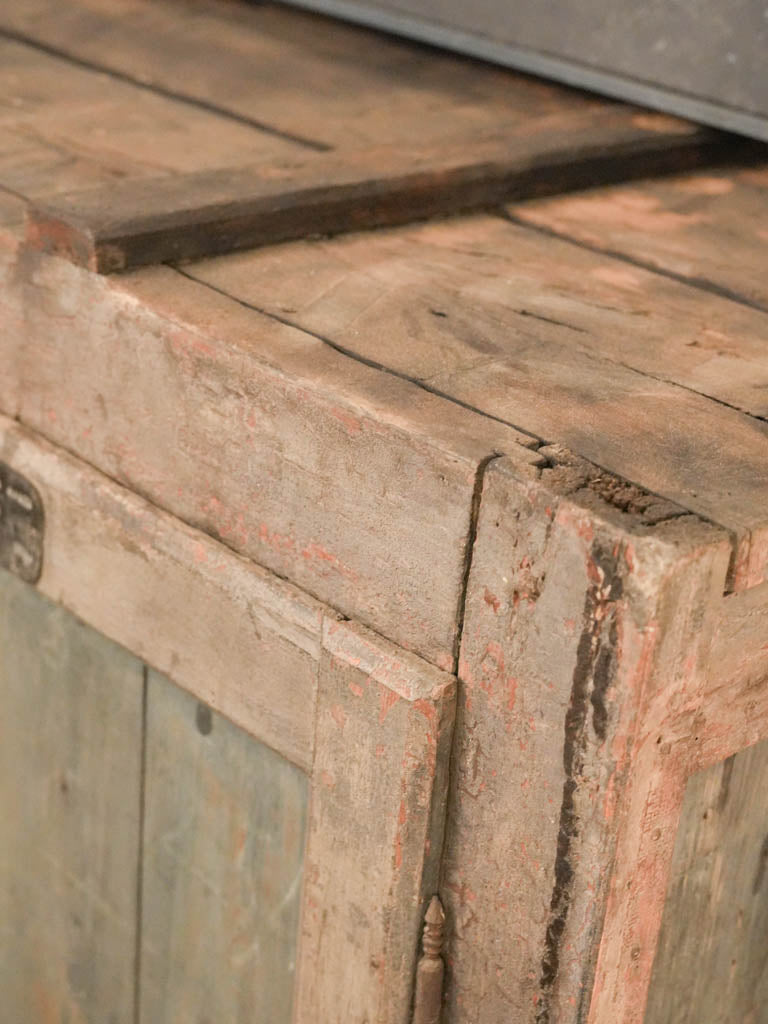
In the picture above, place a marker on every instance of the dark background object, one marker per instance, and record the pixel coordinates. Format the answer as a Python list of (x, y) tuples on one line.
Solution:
[(698, 58)]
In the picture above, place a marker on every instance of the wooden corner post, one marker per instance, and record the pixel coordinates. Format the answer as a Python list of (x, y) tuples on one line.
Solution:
[(585, 595)]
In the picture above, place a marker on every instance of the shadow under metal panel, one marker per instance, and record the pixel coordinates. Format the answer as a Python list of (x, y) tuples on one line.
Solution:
[(701, 60)]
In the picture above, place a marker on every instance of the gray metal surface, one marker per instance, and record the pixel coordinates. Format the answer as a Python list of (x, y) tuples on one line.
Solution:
[(697, 58)]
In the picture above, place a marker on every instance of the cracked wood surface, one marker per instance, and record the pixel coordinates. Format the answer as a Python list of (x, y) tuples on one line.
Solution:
[(560, 643), (319, 127), (624, 366), (353, 484)]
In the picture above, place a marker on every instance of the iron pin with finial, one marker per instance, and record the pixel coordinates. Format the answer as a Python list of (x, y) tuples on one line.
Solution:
[(430, 970)]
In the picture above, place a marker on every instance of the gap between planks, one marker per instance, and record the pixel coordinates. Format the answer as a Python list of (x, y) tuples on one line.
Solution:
[(358, 358), (701, 283), (159, 90), (140, 857), (538, 442)]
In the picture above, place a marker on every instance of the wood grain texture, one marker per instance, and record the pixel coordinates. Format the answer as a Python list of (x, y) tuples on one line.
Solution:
[(449, 297), (221, 870), (355, 485), (330, 83), (70, 778), (558, 647), (384, 730), (64, 126), (319, 128), (710, 228), (738, 658), (229, 632), (710, 964), (615, 362)]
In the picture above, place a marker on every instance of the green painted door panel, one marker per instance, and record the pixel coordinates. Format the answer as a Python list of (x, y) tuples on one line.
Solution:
[(223, 852), (70, 758)]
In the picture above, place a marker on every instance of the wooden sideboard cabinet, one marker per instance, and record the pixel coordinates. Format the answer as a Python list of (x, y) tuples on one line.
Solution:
[(383, 535)]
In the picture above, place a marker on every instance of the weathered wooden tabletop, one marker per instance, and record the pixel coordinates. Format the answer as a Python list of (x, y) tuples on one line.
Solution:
[(147, 133)]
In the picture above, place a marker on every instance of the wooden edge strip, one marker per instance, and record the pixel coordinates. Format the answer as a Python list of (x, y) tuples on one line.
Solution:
[(377, 818), (209, 213), (563, 638), (233, 635), (738, 665)]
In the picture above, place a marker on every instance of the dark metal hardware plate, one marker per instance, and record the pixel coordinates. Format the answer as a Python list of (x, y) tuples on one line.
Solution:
[(22, 521)]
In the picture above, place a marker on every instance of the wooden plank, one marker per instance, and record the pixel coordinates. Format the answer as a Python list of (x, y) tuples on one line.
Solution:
[(336, 85), (384, 729), (710, 962), (355, 485), (222, 860), (229, 632), (739, 653), (562, 626), (682, 727), (70, 779), (65, 127), (574, 346), (709, 228), (498, 287), (413, 133), (142, 222)]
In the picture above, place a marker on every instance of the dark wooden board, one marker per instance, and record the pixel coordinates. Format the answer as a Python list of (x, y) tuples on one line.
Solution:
[(185, 218), (70, 778), (319, 128), (711, 965), (222, 862)]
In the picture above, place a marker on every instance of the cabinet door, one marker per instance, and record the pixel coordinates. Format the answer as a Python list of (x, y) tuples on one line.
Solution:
[(151, 851), (262, 824), (70, 781)]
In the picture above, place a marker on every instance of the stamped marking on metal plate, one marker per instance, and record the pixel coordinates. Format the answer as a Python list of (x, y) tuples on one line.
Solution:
[(22, 522)]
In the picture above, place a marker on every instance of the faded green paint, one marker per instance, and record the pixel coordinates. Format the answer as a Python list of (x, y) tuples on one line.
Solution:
[(223, 853), (69, 806)]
